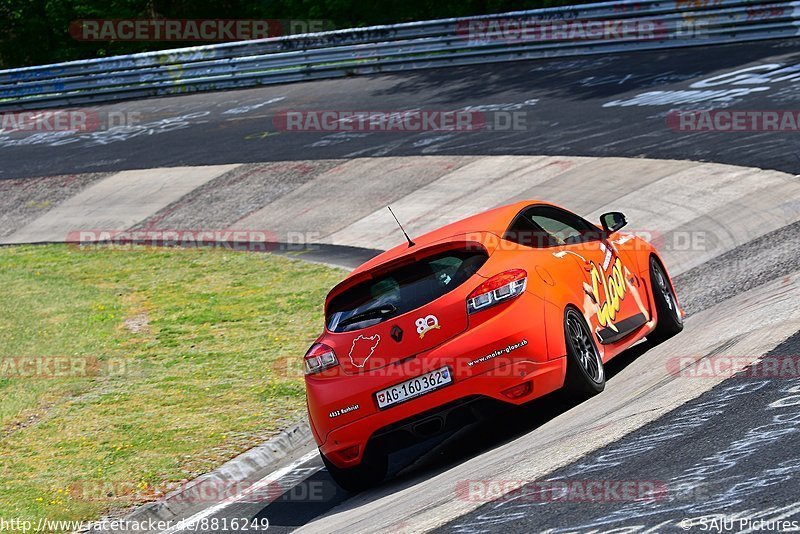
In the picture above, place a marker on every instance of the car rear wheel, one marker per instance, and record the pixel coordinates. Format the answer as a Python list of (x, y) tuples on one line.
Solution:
[(668, 314), (585, 373), (370, 472)]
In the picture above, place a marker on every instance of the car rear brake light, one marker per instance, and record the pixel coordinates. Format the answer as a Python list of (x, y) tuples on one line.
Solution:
[(318, 358), (499, 288)]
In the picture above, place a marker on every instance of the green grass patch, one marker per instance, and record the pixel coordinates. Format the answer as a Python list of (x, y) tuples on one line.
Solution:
[(180, 359)]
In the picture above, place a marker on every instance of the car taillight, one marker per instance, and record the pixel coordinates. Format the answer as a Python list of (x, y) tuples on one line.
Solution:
[(499, 288), (319, 357)]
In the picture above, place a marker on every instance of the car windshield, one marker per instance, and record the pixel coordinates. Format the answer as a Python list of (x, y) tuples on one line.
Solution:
[(402, 290)]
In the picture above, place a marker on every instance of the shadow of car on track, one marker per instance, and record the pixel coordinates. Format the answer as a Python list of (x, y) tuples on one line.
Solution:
[(318, 494)]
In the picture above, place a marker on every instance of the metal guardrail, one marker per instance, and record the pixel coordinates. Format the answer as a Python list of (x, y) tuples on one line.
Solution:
[(569, 31)]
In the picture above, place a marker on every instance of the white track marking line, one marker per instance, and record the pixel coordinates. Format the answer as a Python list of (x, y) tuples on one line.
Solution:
[(185, 524)]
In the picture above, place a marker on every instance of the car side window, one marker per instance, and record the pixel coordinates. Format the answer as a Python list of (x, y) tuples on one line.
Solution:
[(547, 226)]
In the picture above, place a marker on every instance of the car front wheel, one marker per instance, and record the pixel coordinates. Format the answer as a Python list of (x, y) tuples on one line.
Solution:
[(668, 315)]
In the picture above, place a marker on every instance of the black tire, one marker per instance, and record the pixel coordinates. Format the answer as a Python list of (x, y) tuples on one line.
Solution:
[(668, 314), (369, 473), (585, 373)]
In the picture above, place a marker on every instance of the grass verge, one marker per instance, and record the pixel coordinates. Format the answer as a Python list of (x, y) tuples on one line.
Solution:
[(126, 372)]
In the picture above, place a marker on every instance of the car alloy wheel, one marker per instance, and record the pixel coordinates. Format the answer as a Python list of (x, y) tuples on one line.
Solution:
[(584, 348)]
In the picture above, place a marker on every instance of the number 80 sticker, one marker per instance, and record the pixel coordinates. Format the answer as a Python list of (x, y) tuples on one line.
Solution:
[(426, 324)]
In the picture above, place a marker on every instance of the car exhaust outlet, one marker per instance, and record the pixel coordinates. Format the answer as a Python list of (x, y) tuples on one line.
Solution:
[(429, 428)]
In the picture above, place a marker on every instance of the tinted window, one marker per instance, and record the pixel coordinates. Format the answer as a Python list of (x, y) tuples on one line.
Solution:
[(546, 226), (402, 290)]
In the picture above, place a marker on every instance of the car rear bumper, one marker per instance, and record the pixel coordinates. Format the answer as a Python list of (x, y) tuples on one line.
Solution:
[(440, 410)]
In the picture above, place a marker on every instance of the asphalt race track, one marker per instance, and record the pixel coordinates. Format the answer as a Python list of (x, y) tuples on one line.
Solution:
[(730, 450), (741, 464), (575, 106), (710, 444)]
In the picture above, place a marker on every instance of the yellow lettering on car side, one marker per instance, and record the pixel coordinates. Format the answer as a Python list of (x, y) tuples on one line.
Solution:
[(614, 289)]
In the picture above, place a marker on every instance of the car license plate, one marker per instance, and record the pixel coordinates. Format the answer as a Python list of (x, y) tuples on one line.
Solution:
[(414, 388)]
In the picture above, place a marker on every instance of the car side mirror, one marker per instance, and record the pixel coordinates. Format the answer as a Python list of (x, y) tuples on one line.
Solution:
[(613, 221)]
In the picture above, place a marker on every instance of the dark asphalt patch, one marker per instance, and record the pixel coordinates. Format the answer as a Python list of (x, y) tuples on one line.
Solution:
[(732, 451), (338, 255), (762, 260), (583, 106)]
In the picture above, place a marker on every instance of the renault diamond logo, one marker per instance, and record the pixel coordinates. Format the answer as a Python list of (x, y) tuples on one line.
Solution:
[(397, 333)]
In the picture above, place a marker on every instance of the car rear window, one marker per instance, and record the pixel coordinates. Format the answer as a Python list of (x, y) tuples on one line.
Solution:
[(402, 290)]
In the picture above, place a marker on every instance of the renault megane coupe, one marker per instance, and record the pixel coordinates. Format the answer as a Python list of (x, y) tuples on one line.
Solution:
[(504, 306)]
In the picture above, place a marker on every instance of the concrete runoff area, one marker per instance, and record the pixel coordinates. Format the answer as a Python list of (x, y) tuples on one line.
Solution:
[(116, 203), (692, 211)]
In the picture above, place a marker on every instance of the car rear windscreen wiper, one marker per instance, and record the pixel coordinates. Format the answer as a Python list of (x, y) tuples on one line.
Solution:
[(371, 313)]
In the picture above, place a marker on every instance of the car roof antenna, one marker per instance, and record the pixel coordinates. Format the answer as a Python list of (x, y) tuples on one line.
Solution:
[(410, 243)]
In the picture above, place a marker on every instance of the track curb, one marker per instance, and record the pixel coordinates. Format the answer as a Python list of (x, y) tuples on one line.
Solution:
[(249, 466)]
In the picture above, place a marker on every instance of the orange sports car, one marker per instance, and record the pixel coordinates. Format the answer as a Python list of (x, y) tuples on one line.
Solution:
[(507, 305)]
